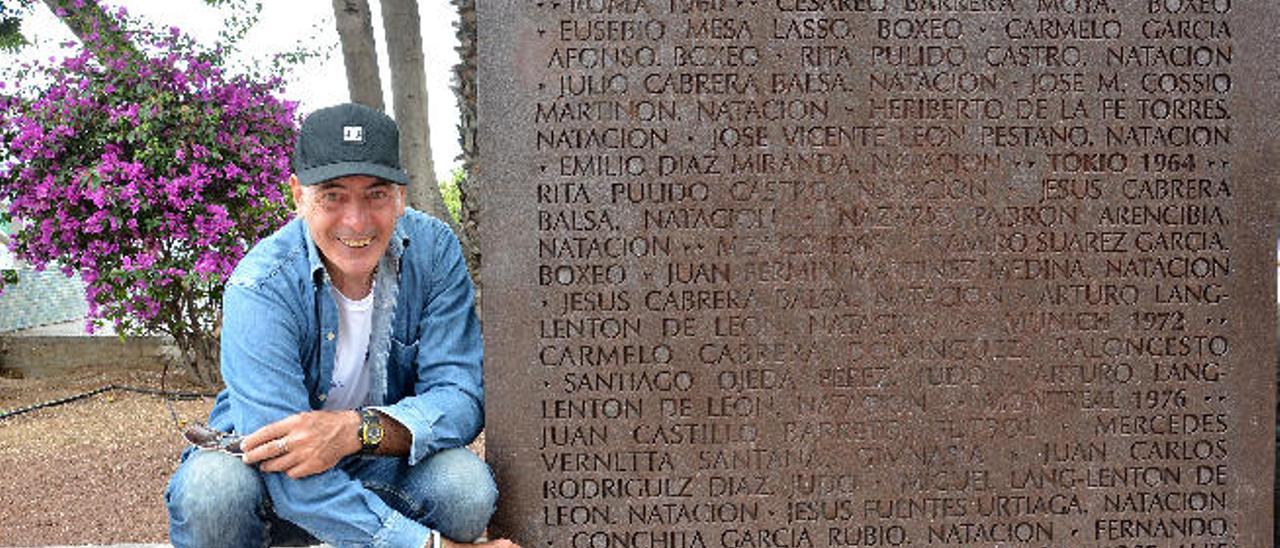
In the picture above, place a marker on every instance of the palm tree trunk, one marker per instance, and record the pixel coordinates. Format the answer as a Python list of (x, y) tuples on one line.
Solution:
[(464, 88), (359, 52), (403, 30)]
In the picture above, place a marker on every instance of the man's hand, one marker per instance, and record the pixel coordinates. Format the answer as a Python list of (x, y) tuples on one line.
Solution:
[(303, 444)]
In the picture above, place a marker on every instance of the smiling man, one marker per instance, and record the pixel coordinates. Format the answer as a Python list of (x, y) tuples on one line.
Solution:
[(351, 354)]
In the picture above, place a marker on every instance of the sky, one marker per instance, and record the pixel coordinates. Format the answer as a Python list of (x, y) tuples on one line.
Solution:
[(281, 27)]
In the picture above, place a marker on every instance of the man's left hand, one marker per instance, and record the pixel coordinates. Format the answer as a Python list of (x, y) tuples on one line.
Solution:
[(303, 444)]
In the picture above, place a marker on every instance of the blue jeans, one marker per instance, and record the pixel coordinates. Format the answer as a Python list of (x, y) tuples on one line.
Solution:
[(215, 499)]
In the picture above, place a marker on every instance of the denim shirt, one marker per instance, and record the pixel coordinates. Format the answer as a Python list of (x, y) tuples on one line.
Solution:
[(279, 332)]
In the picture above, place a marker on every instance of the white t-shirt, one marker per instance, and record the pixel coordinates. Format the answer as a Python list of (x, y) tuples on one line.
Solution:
[(349, 387)]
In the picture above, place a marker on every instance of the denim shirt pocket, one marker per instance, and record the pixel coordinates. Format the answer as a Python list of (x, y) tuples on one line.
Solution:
[(402, 369)]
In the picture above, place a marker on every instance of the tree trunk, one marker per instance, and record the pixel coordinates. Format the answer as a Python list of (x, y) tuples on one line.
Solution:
[(359, 52), (464, 80), (464, 88), (199, 355), (403, 30)]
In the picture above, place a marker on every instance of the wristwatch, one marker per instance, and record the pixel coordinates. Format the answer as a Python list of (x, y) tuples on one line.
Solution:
[(370, 431)]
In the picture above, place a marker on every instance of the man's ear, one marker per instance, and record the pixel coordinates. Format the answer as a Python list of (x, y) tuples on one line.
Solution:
[(295, 188)]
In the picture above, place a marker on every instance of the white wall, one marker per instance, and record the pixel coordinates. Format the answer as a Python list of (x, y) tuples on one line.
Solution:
[(6, 259)]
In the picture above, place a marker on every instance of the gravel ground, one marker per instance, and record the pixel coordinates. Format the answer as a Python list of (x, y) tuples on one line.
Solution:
[(91, 471)]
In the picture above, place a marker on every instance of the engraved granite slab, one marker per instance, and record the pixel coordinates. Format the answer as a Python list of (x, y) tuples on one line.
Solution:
[(880, 272)]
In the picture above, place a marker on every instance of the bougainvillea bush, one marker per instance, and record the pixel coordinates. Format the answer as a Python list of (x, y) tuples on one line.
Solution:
[(148, 170)]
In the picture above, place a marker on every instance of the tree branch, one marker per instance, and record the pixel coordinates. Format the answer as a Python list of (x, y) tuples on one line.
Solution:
[(95, 28)]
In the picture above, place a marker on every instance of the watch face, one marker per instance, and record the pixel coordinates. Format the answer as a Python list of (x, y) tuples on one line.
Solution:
[(370, 431)]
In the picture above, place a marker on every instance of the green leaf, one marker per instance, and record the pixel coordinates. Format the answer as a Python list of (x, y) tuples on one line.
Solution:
[(11, 38)]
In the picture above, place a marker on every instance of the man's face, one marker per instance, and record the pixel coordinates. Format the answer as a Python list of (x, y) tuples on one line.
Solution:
[(351, 220)]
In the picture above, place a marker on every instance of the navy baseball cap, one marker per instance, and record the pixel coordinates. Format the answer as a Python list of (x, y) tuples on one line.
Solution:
[(348, 139)]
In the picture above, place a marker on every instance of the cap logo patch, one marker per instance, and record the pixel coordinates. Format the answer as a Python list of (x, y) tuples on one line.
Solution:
[(353, 134)]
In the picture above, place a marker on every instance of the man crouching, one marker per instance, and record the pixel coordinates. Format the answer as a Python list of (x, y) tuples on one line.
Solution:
[(351, 353)]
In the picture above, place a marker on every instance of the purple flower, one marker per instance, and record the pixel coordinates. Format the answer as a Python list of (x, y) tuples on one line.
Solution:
[(147, 175)]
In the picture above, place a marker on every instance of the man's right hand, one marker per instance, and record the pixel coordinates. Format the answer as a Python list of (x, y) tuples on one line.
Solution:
[(303, 444)]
